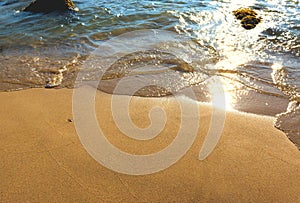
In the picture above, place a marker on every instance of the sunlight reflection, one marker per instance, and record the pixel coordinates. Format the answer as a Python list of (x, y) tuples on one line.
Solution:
[(233, 54), (238, 3), (231, 62), (278, 73)]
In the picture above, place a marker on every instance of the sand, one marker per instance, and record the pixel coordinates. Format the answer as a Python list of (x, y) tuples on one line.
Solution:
[(43, 160)]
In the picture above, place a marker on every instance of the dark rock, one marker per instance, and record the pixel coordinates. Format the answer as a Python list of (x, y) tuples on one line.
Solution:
[(273, 32), (46, 6)]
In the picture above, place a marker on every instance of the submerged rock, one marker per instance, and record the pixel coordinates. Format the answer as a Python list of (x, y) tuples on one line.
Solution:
[(248, 18), (243, 12), (46, 6), (249, 22)]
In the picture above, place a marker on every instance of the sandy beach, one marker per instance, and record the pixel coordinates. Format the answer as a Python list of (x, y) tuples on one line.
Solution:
[(42, 159)]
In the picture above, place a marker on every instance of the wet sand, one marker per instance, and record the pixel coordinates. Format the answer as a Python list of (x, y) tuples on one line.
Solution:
[(42, 159)]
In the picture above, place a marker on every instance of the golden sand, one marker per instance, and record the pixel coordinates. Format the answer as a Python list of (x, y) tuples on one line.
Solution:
[(42, 159)]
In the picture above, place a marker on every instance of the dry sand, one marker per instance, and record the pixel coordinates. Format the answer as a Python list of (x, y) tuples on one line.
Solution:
[(42, 159)]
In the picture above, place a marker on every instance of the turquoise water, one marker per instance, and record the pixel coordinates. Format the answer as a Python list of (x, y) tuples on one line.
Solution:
[(58, 37), (260, 67)]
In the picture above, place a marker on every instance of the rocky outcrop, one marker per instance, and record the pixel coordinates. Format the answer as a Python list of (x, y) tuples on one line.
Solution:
[(248, 18), (46, 6)]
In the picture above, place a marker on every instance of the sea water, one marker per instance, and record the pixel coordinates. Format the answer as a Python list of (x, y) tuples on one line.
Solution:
[(259, 68)]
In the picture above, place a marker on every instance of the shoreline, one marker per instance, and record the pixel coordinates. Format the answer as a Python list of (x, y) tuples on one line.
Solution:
[(43, 159)]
